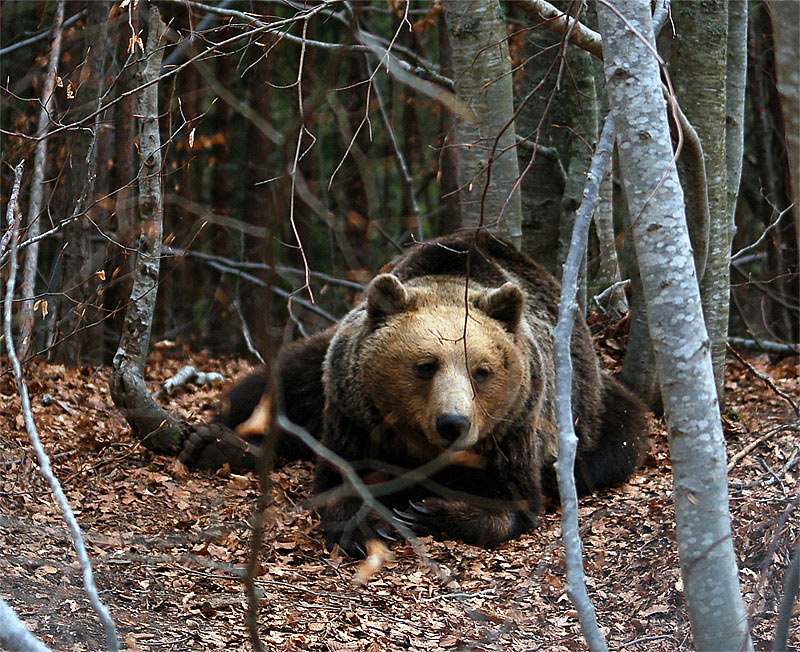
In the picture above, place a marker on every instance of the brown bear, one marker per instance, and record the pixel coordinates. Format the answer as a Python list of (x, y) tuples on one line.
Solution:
[(438, 390)]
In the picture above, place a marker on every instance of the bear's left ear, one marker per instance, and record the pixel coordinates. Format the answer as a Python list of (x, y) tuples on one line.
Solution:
[(504, 304), (386, 296)]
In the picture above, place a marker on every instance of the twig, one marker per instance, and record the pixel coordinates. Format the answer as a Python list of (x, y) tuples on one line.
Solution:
[(648, 639), (755, 443), (567, 440), (11, 212), (44, 461), (557, 21), (762, 237), (766, 566), (791, 584), (764, 345), (767, 380), (357, 485), (619, 284), (189, 374), (42, 35), (248, 339), (460, 596)]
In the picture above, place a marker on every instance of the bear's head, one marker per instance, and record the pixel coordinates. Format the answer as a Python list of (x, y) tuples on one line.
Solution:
[(442, 365)]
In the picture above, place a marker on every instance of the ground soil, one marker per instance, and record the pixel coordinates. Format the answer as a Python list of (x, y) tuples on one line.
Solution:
[(168, 544)]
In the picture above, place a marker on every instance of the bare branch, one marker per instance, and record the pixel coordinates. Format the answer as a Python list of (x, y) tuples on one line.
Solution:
[(30, 427), (567, 440), (767, 380), (557, 21), (14, 636)]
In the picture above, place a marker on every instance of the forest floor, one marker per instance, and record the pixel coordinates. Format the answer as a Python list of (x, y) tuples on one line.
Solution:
[(168, 544)]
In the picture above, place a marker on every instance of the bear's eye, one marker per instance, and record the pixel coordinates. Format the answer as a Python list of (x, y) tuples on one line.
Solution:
[(426, 369), (481, 374)]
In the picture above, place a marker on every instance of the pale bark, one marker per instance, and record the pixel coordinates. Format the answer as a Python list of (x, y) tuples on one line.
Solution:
[(487, 160), (786, 34), (675, 317), (734, 101), (557, 21), (75, 307), (158, 429), (582, 97), (700, 81), (607, 274), (13, 634), (567, 440), (28, 286), (44, 461)]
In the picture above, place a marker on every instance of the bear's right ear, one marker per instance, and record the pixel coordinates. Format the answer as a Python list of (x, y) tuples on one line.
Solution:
[(386, 296)]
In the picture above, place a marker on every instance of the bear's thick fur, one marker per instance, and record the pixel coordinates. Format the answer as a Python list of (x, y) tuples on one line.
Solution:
[(438, 389), (449, 355)]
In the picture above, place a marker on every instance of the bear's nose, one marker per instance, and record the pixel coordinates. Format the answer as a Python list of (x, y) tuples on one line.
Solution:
[(451, 426)]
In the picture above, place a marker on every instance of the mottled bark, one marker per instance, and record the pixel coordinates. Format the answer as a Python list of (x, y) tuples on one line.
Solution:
[(675, 318), (157, 429), (582, 97), (607, 273), (544, 174), (734, 99), (639, 366), (28, 287), (487, 159), (77, 303), (567, 440), (700, 81)]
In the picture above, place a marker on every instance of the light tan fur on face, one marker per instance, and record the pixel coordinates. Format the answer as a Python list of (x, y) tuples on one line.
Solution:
[(433, 331)]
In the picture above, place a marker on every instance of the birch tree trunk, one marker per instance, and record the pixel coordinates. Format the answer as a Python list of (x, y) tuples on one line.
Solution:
[(28, 287), (734, 100), (487, 159), (76, 305), (608, 273), (675, 317), (131, 396), (700, 81), (544, 177)]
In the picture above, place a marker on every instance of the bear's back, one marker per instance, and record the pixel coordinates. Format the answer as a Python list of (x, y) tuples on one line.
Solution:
[(483, 258)]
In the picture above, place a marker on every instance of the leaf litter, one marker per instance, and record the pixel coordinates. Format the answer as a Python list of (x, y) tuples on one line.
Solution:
[(168, 544)]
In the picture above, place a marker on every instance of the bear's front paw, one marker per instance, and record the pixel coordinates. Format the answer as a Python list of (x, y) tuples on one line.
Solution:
[(427, 517), (211, 446), (348, 526), (456, 519)]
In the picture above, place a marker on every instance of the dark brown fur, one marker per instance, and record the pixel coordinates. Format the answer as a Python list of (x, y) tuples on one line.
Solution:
[(492, 489), (499, 501)]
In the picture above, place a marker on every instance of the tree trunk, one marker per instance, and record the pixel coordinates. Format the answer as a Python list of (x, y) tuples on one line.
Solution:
[(28, 288), (159, 430), (608, 273), (700, 80), (675, 317), (734, 100), (544, 175), (639, 366), (487, 159), (786, 35), (77, 301), (581, 95)]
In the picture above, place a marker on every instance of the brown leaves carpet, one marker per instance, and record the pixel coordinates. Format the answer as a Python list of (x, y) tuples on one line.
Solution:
[(168, 544)]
